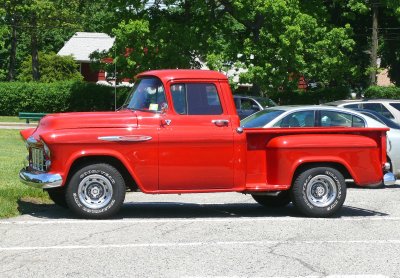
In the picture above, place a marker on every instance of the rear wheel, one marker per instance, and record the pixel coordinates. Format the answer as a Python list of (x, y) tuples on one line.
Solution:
[(319, 192), (96, 191), (57, 195), (280, 200)]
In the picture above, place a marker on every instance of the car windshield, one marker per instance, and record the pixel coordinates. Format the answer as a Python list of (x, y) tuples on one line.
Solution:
[(147, 95), (260, 119), (380, 118), (266, 102)]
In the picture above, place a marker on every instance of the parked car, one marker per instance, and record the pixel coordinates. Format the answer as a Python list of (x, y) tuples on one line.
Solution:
[(390, 108), (309, 116), (323, 116), (393, 135), (247, 105)]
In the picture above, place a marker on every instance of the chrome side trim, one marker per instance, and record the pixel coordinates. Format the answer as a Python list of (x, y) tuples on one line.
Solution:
[(126, 138), (40, 180), (389, 179)]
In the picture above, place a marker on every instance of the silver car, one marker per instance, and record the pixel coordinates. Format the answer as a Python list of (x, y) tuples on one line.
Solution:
[(324, 116), (390, 108)]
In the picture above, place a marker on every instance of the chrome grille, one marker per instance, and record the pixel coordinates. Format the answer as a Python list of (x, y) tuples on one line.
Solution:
[(37, 161)]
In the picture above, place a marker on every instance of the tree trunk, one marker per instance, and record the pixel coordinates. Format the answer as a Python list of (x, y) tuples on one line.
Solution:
[(13, 53), (35, 51), (374, 48)]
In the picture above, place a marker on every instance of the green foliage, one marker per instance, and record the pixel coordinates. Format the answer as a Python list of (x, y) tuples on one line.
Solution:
[(310, 97), (55, 97), (52, 68), (390, 92), (277, 41), (13, 194)]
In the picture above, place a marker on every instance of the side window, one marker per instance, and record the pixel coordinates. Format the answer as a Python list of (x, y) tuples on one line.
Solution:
[(178, 92), (196, 99), (395, 105), (339, 119), (358, 122), (249, 104), (350, 106), (378, 108), (298, 119)]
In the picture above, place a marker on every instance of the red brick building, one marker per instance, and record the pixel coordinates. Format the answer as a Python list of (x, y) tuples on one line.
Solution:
[(81, 45)]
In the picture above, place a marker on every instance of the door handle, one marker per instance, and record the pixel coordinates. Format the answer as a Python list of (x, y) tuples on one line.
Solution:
[(220, 123)]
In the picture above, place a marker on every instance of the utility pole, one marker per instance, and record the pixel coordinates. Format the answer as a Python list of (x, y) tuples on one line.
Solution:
[(374, 47)]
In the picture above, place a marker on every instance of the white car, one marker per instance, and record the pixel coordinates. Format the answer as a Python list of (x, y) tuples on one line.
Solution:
[(390, 108), (324, 116)]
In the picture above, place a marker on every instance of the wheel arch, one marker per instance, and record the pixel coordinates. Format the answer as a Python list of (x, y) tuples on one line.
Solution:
[(113, 161), (308, 165)]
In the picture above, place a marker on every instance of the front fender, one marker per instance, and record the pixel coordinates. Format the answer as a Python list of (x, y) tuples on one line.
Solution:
[(140, 158)]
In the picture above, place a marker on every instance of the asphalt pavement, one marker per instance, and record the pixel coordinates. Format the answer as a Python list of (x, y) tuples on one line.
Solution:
[(206, 235)]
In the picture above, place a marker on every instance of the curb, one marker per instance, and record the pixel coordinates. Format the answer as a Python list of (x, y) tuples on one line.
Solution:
[(10, 125)]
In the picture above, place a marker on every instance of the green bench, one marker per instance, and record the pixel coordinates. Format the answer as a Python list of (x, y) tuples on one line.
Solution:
[(31, 116)]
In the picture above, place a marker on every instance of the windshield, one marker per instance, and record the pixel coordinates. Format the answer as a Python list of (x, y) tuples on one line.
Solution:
[(147, 95), (261, 118), (381, 119), (266, 102)]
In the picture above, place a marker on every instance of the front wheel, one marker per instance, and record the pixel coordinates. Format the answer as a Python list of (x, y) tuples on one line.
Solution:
[(96, 191), (319, 192)]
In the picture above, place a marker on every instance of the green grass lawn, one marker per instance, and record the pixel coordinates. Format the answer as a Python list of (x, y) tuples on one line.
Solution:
[(14, 119), (12, 191), (11, 119)]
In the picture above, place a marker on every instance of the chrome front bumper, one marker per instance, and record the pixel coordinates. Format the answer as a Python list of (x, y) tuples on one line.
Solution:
[(389, 179), (40, 180)]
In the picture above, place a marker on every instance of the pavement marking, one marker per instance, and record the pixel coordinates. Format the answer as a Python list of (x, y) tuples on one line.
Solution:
[(329, 276), (194, 220), (195, 244)]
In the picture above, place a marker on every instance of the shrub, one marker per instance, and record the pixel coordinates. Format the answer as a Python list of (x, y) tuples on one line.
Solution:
[(64, 96), (382, 92), (52, 68)]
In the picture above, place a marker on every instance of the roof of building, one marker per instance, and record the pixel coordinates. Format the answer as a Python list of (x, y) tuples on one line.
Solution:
[(82, 44)]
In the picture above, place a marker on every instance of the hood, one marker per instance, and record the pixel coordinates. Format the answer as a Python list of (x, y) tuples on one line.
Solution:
[(119, 119)]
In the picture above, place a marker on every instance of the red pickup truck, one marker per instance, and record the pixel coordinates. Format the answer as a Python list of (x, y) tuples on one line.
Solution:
[(179, 132)]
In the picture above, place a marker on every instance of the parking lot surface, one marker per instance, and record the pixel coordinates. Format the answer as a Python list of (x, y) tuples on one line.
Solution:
[(206, 235)]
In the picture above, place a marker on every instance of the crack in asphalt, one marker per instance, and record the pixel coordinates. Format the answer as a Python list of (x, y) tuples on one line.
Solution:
[(309, 267)]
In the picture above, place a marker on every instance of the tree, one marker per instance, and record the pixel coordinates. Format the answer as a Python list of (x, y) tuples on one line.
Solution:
[(36, 24), (288, 39), (375, 21), (276, 41), (4, 32), (52, 67)]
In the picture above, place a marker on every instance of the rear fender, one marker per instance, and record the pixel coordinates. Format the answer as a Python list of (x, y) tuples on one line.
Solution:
[(359, 155)]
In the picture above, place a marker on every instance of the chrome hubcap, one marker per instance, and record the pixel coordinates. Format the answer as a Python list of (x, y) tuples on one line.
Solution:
[(95, 191), (321, 191)]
